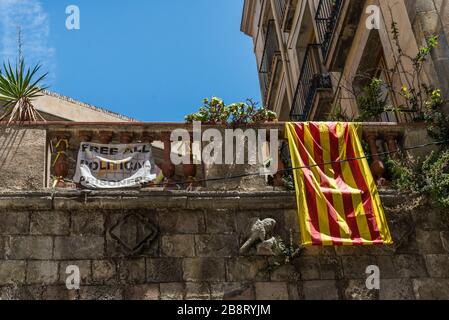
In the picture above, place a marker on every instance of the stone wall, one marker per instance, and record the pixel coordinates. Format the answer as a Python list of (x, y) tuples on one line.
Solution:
[(176, 245), (432, 18)]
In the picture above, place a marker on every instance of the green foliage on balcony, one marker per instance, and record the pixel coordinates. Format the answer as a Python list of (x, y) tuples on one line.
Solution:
[(215, 111)]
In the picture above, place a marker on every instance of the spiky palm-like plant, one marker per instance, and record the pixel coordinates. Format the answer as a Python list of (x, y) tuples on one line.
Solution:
[(18, 88)]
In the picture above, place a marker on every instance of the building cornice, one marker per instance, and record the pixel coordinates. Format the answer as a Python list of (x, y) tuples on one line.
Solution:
[(88, 106), (248, 17), (154, 198)]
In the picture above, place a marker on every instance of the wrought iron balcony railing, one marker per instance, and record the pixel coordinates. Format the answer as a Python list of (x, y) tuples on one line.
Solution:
[(326, 20), (271, 48), (311, 79)]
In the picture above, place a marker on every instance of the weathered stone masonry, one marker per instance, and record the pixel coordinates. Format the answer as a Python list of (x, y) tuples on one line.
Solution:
[(195, 252)]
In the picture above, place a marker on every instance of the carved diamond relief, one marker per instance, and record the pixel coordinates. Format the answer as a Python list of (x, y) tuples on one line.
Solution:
[(133, 232)]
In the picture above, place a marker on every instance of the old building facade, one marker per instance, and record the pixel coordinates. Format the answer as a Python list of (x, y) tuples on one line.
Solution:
[(310, 52), (180, 239), (182, 243)]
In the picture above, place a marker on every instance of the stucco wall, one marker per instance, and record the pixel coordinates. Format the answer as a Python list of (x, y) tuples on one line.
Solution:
[(22, 159), (195, 252), (66, 108)]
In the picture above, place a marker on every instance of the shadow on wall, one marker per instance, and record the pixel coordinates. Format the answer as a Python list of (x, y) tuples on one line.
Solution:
[(10, 144), (22, 158)]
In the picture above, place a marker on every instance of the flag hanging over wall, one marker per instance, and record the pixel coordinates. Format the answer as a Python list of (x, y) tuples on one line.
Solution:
[(338, 201)]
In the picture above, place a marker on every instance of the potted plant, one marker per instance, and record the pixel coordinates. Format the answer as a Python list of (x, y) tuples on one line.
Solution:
[(18, 88), (215, 111)]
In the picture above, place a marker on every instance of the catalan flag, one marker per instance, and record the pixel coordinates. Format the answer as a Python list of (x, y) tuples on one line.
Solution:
[(338, 200)]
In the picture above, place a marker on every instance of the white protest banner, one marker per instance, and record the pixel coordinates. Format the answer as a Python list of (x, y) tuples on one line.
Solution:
[(101, 166)]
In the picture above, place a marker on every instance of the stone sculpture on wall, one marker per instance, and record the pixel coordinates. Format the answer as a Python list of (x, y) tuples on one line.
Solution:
[(260, 230)]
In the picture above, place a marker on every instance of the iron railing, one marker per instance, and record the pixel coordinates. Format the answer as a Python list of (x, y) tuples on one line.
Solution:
[(311, 79), (326, 20), (270, 48)]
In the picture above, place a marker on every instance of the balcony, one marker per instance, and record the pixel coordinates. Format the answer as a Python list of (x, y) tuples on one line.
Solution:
[(311, 81), (337, 22), (326, 21), (270, 63), (285, 9), (64, 140), (281, 7), (60, 158)]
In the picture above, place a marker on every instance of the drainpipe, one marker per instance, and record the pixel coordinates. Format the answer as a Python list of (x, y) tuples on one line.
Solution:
[(283, 52)]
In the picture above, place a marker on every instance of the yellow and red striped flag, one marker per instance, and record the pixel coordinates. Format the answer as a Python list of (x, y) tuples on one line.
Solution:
[(338, 200)]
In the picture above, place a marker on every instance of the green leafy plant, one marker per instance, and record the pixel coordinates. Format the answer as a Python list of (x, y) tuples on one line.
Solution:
[(285, 253), (371, 103), (430, 178), (288, 251), (240, 113), (259, 115), (436, 169), (424, 103), (19, 86), (289, 182), (424, 51), (339, 114), (416, 95), (214, 111), (419, 96), (437, 121)]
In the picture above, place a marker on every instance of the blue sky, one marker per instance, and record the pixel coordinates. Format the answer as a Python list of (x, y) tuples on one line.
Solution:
[(154, 60)]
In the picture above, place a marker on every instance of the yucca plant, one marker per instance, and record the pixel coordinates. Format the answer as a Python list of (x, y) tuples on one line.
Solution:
[(19, 86)]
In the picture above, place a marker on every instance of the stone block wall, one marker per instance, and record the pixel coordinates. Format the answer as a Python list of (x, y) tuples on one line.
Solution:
[(176, 245), (431, 17)]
